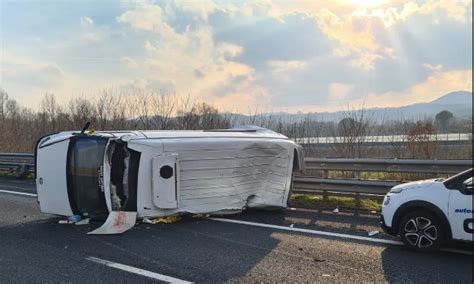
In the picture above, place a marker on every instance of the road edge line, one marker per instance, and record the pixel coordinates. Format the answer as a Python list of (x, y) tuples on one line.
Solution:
[(18, 193)]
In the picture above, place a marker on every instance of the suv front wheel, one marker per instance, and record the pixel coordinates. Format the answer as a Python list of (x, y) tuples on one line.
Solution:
[(421, 230)]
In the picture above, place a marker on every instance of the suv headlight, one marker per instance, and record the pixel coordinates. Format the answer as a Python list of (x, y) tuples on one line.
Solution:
[(386, 200), (396, 190)]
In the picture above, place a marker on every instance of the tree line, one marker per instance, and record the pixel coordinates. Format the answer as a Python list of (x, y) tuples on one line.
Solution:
[(112, 110)]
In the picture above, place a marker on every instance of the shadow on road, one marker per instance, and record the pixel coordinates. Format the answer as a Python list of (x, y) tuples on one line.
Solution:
[(192, 249), (401, 265)]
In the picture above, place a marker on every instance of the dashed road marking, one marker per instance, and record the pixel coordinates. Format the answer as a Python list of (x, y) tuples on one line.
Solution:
[(137, 271)]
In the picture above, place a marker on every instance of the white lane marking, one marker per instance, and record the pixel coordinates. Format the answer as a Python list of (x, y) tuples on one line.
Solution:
[(314, 232), (138, 271), (18, 193), (329, 234)]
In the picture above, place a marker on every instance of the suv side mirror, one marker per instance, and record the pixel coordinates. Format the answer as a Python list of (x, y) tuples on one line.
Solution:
[(467, 188)]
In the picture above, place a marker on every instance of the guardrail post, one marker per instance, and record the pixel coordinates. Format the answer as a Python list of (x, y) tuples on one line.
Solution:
[(21, 171), (357, 201)]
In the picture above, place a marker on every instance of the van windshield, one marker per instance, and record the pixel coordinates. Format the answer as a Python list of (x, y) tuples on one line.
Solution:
[(85, 159)]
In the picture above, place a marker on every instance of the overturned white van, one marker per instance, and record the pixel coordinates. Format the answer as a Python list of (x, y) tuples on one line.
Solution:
[(164, 173)]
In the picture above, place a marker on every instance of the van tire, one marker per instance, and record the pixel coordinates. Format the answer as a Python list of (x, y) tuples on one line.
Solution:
[(421, 230)]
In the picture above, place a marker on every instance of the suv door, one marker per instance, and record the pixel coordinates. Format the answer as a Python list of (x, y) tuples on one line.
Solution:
[(460, 212)]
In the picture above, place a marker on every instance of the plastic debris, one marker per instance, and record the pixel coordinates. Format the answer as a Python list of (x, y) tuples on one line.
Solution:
[(326, 275), (83, 222), (373, 212), (64, 222), (336, 210), (74, 218), (373, 233), (292, 225), (117, 222), (147, 221), (162, 220)]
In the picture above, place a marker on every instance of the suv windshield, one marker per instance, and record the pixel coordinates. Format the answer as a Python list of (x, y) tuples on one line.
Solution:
[(85, 159)]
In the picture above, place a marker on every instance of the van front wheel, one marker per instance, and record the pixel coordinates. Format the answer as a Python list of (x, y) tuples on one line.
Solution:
[(421, 230)]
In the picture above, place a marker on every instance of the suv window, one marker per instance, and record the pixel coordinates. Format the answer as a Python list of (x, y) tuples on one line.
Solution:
[(460, 181)]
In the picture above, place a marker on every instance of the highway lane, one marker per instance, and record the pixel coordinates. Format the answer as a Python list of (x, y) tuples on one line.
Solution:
[(35, 248)]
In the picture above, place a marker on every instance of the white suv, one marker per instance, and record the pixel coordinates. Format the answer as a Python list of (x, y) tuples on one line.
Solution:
[(428, 213)]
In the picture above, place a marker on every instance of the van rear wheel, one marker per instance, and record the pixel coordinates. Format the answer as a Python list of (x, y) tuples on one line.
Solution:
[(421, 230)]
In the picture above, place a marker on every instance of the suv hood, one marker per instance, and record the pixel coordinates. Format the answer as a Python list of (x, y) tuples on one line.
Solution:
[(417, 184)]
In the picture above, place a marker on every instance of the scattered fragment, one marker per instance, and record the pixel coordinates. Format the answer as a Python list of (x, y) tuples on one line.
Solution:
[(83, 222), (147, 221), (74, 218), (117, 223), (63, 222), (165, 220), (373, 233), (326, 275), (292, 225), (291, 208), (373, 212), (336, 210)]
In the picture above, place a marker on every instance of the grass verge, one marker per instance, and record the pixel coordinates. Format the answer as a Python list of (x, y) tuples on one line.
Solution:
[(316, 202)]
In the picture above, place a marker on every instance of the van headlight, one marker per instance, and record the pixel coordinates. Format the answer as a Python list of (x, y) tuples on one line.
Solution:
[(386, 200), (396, 190)]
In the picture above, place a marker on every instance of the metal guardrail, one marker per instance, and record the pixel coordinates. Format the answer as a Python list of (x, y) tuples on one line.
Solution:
[(372, 189), (23, 163), (389, 165)]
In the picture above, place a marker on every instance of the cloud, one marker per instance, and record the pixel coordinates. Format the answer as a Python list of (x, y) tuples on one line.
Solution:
[(436, 85), (86, 22), (307, 55), (339, 91), (129, 62)]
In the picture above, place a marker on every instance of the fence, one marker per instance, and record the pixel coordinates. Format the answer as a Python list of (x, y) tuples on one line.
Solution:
[(23, 163)]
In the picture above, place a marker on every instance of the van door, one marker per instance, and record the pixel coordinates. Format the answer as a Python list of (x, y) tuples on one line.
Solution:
[(460, 209), (165, 181)]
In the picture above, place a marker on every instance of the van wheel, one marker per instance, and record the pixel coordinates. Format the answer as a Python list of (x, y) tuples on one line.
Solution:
[(421, 230)]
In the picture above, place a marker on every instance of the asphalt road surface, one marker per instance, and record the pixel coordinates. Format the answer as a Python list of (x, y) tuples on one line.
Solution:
[(35, 248)]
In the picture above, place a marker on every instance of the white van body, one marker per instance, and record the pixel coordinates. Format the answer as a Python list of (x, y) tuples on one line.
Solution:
[(164, 173), (427, 213)]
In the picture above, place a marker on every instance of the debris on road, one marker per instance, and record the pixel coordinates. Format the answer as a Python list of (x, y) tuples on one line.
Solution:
[(336, 210), (292, 225), (83, 221), (162, 220), (117, 223), (74, 218), (373, 233)]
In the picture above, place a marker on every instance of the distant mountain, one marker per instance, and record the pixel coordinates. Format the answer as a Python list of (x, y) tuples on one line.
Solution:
[(459, 103)]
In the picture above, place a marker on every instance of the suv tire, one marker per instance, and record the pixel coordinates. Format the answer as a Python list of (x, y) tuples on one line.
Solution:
[(421, 230)]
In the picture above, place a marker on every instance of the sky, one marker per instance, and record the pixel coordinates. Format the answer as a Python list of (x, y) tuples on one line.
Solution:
[(295, 56)]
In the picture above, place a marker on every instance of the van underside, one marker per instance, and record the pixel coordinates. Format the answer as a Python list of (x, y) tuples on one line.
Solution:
[(124, 165)]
